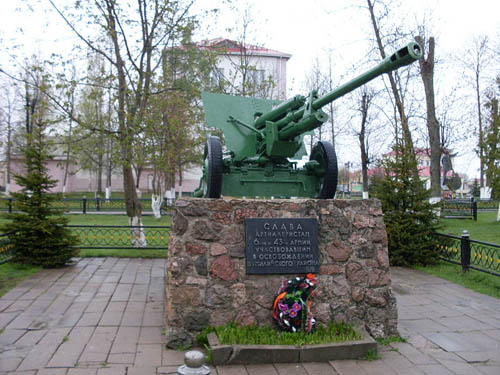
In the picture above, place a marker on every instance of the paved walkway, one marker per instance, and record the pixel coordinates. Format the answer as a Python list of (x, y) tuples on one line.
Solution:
[(105, 316)]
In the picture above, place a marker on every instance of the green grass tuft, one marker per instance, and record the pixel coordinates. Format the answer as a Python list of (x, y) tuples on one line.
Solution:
[(122, 253), (232, 333), (486, 228), (12, 274), (371, 355), (389, 340), (474, 280)]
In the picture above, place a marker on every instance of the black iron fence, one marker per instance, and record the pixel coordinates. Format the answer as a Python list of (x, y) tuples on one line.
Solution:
[(470, 254), (459, 209), (488, 204), (93, 205), (119, 237), (6, 248)]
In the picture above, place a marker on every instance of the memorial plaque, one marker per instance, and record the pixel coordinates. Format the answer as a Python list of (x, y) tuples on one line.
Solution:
[(276, 246)]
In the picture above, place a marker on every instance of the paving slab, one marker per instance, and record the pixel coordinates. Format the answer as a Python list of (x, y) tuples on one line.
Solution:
[(104, 316)]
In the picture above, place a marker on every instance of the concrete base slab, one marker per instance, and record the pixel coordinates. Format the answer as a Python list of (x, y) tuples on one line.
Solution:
[(260, 354)]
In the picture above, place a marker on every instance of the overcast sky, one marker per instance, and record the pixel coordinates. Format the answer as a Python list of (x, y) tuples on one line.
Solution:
[(308, 30)]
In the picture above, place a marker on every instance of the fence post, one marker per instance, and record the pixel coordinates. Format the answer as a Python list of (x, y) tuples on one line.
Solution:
[(98, 203), (465, 251), (474, 210), (84, 205), (10, 205)]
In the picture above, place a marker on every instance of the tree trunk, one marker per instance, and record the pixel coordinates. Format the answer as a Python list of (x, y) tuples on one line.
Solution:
[(480, 124), (427, 74), (407, 140), (132, 204), (365, 100)]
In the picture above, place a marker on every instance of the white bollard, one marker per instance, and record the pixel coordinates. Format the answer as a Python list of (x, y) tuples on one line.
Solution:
[(194, 364)]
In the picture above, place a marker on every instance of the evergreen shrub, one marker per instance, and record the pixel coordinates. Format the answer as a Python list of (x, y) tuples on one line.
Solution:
[(38, 235), (409, 217)]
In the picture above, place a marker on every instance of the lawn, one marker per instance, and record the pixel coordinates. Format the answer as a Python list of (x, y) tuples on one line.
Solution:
[(486, 228), (12, 274), (102, 219), (474, 280)]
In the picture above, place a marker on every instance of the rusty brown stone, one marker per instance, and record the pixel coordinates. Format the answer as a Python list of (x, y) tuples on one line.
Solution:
[(294, 207), (356, 274), (362, 221), (221, 217), (321, 312), (182, 203), (378, 277), (188, 296), (179, 225), (379, 236), (194, 210), (195, 248), (178, 265), (223, 268), (217, 249), (375, 211), (340, 286), (358, 294), (220, 205), (375, 298), (330, 269), (383, 258), (241, 213), (176, 246), (245, 318), (221, 317), (338, 251), (239, 294), (232, 237), (202, 231)]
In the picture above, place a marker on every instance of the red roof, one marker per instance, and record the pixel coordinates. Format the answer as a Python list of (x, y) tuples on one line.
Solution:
[(419, 151), (233, 47), (422, 172)]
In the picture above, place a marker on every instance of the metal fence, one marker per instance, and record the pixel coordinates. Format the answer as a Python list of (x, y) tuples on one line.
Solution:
[(104, 237), (459, 209), (120, 236), (92, 205), (6, 248), (488, 204), (470, 254)]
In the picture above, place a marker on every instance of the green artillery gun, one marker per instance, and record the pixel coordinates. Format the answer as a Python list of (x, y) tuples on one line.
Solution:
[(261, 136)]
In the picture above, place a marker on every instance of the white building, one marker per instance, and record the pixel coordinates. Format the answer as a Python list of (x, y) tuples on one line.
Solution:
[(249, 70)]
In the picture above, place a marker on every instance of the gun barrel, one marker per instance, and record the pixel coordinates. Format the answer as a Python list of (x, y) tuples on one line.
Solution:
[(402, 57), (290, 104)]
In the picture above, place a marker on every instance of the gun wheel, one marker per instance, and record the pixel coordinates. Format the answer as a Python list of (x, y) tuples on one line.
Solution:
[(212, 168), (324, 153)]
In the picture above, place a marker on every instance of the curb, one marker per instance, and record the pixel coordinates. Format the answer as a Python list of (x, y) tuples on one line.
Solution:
[(260, 354)]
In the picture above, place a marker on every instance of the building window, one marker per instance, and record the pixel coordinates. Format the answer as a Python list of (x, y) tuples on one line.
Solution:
[(217, 76), (257, 76)]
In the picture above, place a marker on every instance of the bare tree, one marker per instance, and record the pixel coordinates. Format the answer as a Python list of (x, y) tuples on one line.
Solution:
[(366, 99), (393, 79), (135, 56), (475, 60), (426, 64)]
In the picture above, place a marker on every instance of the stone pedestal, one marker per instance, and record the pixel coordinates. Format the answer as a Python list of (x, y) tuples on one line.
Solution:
[(206, 283)]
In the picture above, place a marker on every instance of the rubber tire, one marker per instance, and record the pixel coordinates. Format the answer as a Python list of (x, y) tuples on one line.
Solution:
[(213, 153), (324, 153)]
